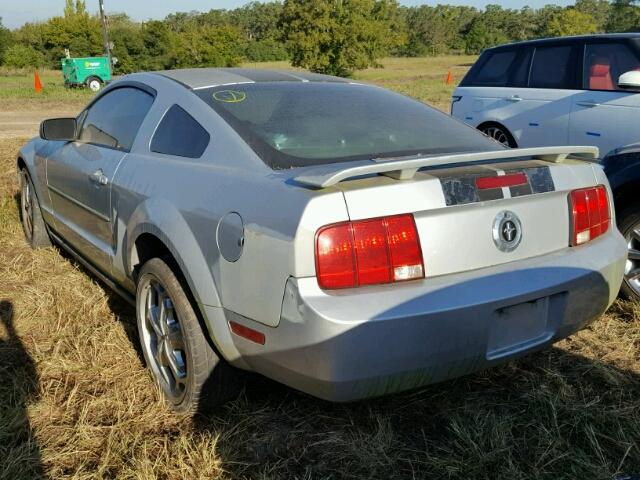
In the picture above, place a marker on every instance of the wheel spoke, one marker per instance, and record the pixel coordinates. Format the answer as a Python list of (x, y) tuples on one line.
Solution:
[(177, 365), (634, 254), (162, 353), (152, 315), (633, 274), (635, 233), (175, 336)]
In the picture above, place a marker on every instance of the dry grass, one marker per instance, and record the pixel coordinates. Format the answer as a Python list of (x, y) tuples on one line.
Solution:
[(77, 402)]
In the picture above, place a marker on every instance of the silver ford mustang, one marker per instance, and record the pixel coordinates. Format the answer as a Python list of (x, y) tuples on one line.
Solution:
[(336, 237)]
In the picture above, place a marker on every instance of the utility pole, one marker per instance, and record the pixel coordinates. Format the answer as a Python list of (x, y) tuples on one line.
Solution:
[(105, 34)]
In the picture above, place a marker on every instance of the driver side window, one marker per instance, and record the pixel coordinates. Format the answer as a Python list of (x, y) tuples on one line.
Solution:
[(113, 121)]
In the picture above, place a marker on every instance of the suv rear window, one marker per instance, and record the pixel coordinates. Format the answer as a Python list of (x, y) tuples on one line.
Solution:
[(554, 67), (294, 124)]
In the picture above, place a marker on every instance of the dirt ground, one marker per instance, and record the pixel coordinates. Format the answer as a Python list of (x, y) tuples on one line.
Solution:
[(24, 120)]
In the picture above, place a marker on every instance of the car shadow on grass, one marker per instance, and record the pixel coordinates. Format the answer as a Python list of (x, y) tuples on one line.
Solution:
[(553, 414), (19, 451)]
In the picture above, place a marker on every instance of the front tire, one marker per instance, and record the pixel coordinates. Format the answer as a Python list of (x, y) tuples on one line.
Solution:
[(183, 363), (35, 230), (629, 226)]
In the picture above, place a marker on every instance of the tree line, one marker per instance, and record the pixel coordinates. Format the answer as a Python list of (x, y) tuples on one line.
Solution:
[(327, 36)]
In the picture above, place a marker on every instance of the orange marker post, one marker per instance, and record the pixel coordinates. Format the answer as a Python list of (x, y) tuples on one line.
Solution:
[(449, 79), (37, 84)]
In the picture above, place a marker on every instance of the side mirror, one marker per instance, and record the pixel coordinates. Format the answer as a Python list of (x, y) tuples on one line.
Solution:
[(63, 129), (630, 80)]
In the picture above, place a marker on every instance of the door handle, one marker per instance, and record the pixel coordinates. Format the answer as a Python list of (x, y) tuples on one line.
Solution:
[(98, 177), (588, 103), (513, 98)]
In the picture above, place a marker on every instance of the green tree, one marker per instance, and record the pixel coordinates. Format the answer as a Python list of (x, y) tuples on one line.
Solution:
[(5, 40), (208, 47), (437, 30), (340, 36), (483, 35), (571, 22), (624, 16), (598, 9), (21, 56), (159, 44)]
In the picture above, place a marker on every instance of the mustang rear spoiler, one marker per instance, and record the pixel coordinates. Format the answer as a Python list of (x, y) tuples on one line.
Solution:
[(324, 176)]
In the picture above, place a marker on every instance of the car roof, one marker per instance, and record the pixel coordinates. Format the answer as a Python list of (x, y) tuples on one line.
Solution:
[(195, 78), (557, 40)]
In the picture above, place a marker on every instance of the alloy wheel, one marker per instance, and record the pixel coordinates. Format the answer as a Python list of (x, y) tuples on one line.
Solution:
[(26, 203), (163, 339), (632, 267), (498, 135)]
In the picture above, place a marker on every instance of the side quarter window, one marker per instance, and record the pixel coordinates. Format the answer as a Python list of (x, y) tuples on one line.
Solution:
[(605, 62), (114, 119), (180, 134)]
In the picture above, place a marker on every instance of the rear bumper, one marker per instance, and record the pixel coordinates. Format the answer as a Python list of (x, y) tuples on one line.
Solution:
[(352, 344)]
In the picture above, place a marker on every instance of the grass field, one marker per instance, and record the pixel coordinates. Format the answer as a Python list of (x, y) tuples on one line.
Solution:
[(76, 400)]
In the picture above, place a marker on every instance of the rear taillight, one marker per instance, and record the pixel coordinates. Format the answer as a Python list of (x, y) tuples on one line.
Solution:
[(368, 252), (590, 214)]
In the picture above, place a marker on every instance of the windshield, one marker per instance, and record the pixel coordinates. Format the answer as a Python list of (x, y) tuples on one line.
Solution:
[(294, 124)]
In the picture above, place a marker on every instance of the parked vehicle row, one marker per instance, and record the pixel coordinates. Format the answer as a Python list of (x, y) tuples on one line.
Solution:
[(339, 238), (567, 91)]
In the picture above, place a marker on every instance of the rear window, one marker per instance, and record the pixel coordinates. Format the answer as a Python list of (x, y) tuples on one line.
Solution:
[(553, 67), (294, 124)]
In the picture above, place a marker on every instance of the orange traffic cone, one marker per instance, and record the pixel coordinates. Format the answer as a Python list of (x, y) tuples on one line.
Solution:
[(449, 79), (37, 84)]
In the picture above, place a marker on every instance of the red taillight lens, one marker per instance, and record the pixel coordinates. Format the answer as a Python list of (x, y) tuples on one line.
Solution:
[(368, 252), (590, 214)]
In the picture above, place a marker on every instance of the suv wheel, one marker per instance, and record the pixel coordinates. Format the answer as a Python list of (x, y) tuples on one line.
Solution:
[(499, 134), (33, 224), (185, 366)]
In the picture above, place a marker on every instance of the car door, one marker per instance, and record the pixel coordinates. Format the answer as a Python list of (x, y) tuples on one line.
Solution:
[(603, 114), (541, 117), (492, 90), (79, 174)]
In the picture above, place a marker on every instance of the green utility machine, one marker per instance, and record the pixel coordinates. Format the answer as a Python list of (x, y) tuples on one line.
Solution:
[(90, 72)]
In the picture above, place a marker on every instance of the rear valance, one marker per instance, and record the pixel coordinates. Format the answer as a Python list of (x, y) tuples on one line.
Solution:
[(324, 176)]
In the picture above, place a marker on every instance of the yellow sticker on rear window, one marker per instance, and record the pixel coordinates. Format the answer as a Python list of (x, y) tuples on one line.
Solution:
[(229, 96)]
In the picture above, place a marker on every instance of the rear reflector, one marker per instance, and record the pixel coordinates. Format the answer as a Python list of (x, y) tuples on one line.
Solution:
[(368, 252), (511, 180), (590, 214), (248, 333)]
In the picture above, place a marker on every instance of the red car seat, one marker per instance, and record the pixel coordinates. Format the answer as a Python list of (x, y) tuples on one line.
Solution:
[(600, 75)]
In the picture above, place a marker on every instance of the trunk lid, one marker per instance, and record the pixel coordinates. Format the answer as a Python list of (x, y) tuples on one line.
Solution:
[(459, 224)]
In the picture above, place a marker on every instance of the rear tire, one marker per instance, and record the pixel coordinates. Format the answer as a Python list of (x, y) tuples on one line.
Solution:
[(94, 84), (629, 226), (499, 134), (188, 371), (35, 230)]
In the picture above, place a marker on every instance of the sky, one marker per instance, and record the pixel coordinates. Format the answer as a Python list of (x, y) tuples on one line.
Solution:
[(16, 12)]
